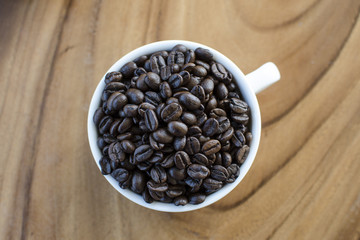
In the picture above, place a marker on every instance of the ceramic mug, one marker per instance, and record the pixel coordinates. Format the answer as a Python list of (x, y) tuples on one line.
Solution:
[(249, 85)]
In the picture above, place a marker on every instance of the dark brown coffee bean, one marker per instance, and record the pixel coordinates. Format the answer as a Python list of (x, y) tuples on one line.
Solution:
[(138, 182), (176, 57), (211, 127), (156, 62), (194, 131), (101, 143), (140, 61), (208, 85), (242, 118), (238, 139), (135, 96), (147, 65), (199, 71), (98, 115), (233, 94), (165, 90), (211, 104), (143, 153), (226, 159), (144, 166), (201, 159), (231, 87), (192, 145), (168, 161), (212, 184), (197, 198), (158, 174), (181, 159), (125, 125), (152, 98), (115, 152), (210, 147), (172, 100), (225, 146), (193, 183), (181, 201), (143, 107), (221, 91), (226, 136), (156, 195), (179, 48), (175, 80), (116, 101), (165, 73), (218, 158), (175, 191), (157, 157), (177, 174), (105, 166), (248, 137), (166, 199), (201, 118), (162, 136), (199, 92), (238, 106), (177, 128), (242, 154), (189, 101), (203, 139), (224, 124), (152, 80), (130, 110), (234, 171), (113, 130), (219, 173), (138, 72), (179, 143), (157, 187), (175, 68), (124, 136), (113, 77), (197, 171), (128, 69), (146, 196), (159, 110), (140, 83), (120, 175), (154, 144), (151, 120), (189, 67), (171, 112), (219, 71), (168, 148), (203, 54), (217, 112), (105, 124), (115, 87), (188, 118), (127, 146)]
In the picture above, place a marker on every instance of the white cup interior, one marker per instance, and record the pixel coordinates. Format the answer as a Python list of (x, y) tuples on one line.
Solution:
[(247, 93)]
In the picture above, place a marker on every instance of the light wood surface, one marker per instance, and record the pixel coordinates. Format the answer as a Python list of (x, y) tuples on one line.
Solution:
[(305, 181)]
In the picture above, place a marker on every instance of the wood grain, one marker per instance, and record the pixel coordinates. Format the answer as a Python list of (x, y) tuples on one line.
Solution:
[(305, 181)]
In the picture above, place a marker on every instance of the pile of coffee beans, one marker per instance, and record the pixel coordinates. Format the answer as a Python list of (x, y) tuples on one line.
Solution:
[(172, 126)]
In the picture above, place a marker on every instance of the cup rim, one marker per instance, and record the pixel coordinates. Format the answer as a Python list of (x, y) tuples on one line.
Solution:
[(246, 91)]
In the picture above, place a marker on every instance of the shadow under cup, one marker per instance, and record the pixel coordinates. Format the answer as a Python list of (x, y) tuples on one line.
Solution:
[(246, 92)]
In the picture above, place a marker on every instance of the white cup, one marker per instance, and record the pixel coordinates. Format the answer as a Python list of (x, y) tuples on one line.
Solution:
[(249, 85)]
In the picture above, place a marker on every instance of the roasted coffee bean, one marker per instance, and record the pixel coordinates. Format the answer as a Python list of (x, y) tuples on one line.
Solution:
[(194, 131), (124, 136), (159, 110), (113, 77), (105, 165), (158, 174), (113, 130), (156, 62), (162, 136), (199, 71), (176, 57), (221, 91), (219, 173), (144, 166), (193, 183), (177, 128), (168, 161), (140, 83), (189, 67), (116, 101), (130, 110), (157, 187), (226, 136), (154, 144), (176, 173), (181, 159), (139, 71), (242, 118), (188, 118), (163, 53), (101, 143), (242, 154), (105, 124), (189, 101), (217, 112), (197, 198), (157, 157), (146, 196), (199, 92), (179, 143), (143, 107), (121, 175), (233, 94), (181, 201), (192, 145), (165, 73), (98, 115), (171, 112), (238, 139), (128, 69), (231, 87), (125, 125), (153, 98), (203, 54), (224, 124), (147, 65), (152, 80), (135, 96), (238, 106), (105, 150), (248, 137), (211, 104), (210, 127), (165, 90), (197, 171), (143, 153), (166, 199), (212, 184), (226, 159), (127, 146), (218, 158), (225, 147), (175, 68), (157, 196), (201, 118), (115, 152), (151, 120), (179, 48), (140, 61), (203, 139), (210, 147), (219, 71), (172, 100), (168, 149), (234, 171), (201, 159), (138, 182), (115, 86), (175, 80), (208, 85), (175, 191)]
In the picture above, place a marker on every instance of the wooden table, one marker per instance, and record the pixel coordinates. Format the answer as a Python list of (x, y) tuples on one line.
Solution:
[(305, 181)]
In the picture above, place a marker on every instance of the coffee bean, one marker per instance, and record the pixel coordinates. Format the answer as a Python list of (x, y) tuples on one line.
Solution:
[(176, 173), (203, 54), (115, 87), (154, 144), (165, 73), (120, 175), (248, 137), (138, 182), (242, 118), (157, 187), (179, 143), (135, 96), (221, 91), (176, 57), (113, 77), (181, 159), (194, 131), (234, 171), (219, 173), (192, 145), (162, 136), (242, 154), (177, 128), (171, 112), (180, 201), (127, 146), (156, 62), (141, 84), (210, 147), (201, 118), (128, 69), (140, 61), (151, 120), (130, 110), (212, 184), (217, 112), (238, 106), (152, 80), (168, 161), (152, 98), (175, 68), (101, 143), (143, 153), (203, 139), (197, 198), (157, 157), (179, 48), (175, 80), (199, 92), (172, 100), (113, 129), (201, 159), (233, 94), (197, 171), (211, 127), (115, 152), (219, 71), (218, 158), (105, 165), (158, 174), (199, 71), (226, 136), (116, 101), (139, 71), (144, 166), (189, 67), (211, 104), (143, 107), (165, 90), (175, 191), (188, 118), (125, 125), (226, 159), (224, 124), (189, 101), (225, 147), (98, 115), (146, 196), (238, 139), (159, 110)]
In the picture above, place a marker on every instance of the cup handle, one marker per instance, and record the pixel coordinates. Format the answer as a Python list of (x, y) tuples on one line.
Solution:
[(263, 77)]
